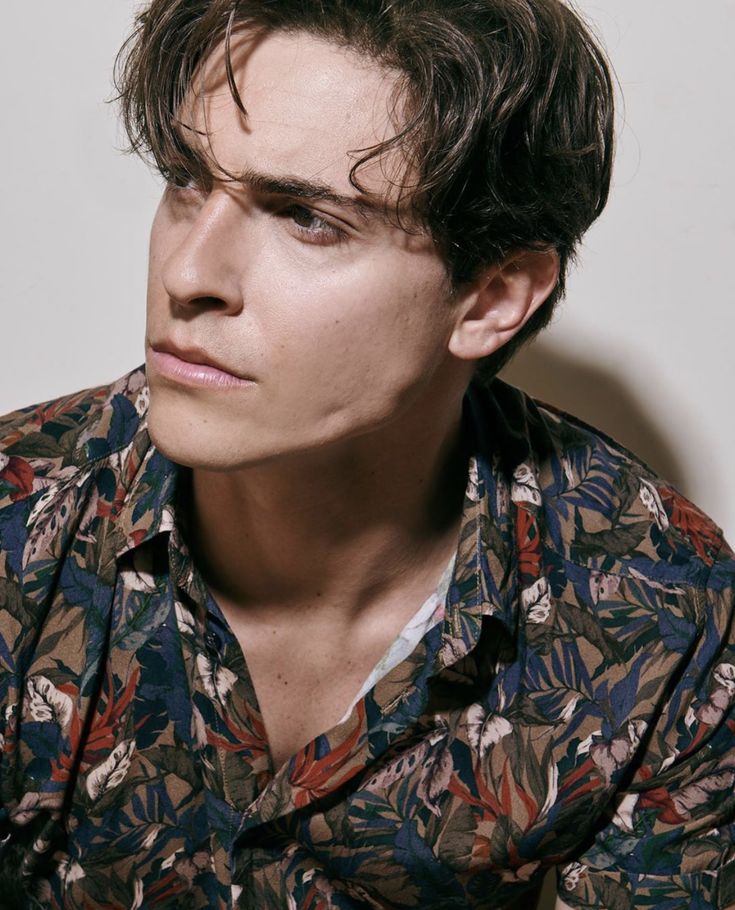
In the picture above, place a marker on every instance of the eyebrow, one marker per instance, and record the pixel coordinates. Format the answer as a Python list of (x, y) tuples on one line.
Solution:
[(370, 208), (289, 185)]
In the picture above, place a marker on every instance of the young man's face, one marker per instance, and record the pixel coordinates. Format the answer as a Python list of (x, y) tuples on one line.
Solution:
[(340, 320)]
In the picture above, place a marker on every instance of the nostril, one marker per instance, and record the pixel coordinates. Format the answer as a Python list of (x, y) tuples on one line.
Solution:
[(187, 309)]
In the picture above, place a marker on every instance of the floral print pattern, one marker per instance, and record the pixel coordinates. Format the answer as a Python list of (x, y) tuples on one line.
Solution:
[(573, 708)]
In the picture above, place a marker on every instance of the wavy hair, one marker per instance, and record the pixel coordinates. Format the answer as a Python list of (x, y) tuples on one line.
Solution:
[(507, 115)]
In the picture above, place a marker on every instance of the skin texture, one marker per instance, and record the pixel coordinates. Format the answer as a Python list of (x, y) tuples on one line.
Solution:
[(359, 356), (327, 493)]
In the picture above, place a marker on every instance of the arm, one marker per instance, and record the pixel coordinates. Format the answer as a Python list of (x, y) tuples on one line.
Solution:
[(670, 840)]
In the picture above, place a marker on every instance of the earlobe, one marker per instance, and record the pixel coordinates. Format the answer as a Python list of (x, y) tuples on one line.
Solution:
[(501, 301)]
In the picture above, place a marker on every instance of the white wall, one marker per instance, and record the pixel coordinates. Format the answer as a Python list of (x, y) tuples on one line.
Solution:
[(642, 347), (644, 344)]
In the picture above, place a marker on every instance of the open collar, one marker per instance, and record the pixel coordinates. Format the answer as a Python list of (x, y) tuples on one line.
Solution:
[(497, 430)]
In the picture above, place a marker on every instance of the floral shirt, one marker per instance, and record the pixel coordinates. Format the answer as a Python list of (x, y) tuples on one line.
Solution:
[(574, 708)]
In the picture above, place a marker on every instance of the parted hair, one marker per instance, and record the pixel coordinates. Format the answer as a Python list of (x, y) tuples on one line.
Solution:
[(507, 115)]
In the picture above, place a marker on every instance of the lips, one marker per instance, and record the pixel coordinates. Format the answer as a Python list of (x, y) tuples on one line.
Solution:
[(195, 355), (193, 367)]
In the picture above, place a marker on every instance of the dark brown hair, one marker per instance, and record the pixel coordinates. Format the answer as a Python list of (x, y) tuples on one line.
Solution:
[(508, 121)]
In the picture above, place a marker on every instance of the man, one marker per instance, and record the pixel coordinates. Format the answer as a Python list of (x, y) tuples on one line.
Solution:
[(311, 610)]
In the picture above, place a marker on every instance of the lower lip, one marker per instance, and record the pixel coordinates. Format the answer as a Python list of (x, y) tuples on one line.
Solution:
[(197, 374)]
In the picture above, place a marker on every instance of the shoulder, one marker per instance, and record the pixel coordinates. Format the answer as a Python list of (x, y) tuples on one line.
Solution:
[(42, 444), (604, 507), (57, 455)]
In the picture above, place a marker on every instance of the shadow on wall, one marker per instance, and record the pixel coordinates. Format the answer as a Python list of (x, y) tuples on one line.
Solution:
[(601, 399)]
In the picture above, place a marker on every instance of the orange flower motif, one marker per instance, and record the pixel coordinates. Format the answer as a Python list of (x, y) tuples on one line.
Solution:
[(659, 799), (19, 474), (315, 777), (529, 545), (691, 522)]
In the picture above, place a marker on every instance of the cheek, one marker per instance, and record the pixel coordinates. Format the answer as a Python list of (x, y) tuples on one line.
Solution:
[(156, 240), (156, 257), (371, 341)]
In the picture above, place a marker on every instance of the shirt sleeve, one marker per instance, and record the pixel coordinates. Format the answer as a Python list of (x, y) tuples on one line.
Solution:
[(668, 840)]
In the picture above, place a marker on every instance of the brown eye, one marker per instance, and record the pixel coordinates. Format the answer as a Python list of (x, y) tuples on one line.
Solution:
[(181, 182), (312, 226)]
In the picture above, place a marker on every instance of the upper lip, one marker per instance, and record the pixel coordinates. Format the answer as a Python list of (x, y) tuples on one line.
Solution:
[(193, 355)]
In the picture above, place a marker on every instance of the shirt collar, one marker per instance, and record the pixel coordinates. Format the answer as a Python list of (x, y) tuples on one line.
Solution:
[(484, 582), (149, 506), (498, 429)]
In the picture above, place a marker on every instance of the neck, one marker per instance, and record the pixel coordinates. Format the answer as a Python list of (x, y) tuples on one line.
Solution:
[(338, 528)]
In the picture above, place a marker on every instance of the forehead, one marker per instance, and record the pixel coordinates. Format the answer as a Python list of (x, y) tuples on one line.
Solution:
[(311, 104)]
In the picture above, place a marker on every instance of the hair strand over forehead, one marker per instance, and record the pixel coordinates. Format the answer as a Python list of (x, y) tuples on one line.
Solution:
[(504, 111)]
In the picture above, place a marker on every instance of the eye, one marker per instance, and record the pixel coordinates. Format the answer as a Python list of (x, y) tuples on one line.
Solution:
[(311, 226), (181, 184)]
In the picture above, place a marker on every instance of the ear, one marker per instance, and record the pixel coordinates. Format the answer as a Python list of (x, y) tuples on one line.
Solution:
[(501, 301)]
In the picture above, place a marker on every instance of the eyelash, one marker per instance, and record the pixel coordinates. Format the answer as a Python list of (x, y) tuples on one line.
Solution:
[(327, 235)]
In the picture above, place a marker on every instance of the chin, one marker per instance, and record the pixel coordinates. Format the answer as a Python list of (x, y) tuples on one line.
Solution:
[(179, 436), (187, 442)]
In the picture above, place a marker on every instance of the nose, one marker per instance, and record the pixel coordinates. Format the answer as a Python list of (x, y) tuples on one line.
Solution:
[(199, 269)]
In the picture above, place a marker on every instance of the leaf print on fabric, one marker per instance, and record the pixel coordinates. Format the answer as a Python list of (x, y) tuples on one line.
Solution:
[(137, 893), (623, 817), (111, 772), (435, 766), (619, 542), (525, 487), (142, 401), (651, 499), (529, 546), (567, 712), (571, 874), (142, 616), (69, 871), (188, 866), (184, 619), (198, 729), (582, 624), (217, 680), (552, 792), (570, 615), (311, 773), (536, 601), (32, 804), (435, 776), (602, 585), (47, 519), (611, 756), (140, 577), (485, 729), (150, 838), (18, 474), (702, 790), (398, 768), (720, 698), (44, 702), (473, 482), (669, 589), (691, 522)]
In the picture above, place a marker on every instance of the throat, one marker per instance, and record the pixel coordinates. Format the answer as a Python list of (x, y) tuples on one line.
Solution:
[(307, 674)]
